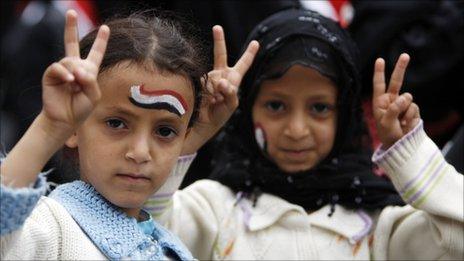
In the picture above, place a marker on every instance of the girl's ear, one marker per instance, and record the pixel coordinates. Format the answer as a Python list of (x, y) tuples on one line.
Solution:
[(71, 142)]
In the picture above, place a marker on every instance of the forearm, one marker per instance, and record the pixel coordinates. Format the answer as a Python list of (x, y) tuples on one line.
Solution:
[(26, 160)]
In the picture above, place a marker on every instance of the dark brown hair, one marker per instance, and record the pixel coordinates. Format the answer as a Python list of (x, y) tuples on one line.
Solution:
[(156, 39)]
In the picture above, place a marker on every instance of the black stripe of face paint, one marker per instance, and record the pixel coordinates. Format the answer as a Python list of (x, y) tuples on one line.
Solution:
[(156, 106)]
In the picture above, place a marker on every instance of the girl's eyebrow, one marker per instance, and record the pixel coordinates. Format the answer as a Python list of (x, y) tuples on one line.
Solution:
[(121, 110), (131, 115), (276, 93)]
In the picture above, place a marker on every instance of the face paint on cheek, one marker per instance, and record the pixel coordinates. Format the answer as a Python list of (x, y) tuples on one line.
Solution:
[(260, 136), (159, 100)]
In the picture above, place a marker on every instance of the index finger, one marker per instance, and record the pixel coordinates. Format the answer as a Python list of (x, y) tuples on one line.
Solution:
[(220, 51), (244, 63), (99, 45), (71, 38), (379, 78), (396, 80)]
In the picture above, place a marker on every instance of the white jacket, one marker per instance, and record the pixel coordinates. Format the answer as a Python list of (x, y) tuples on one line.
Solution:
[(49, 233), (215, 225)]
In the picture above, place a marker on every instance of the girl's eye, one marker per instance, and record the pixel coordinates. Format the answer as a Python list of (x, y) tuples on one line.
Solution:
[(166, 132), (275, 106), (320, 108), (116, 124)]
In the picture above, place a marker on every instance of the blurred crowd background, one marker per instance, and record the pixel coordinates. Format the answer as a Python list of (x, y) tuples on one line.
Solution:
[(432, 32)]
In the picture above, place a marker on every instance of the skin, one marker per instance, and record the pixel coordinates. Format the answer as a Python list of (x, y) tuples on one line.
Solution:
[(298, 114), (126, 152)]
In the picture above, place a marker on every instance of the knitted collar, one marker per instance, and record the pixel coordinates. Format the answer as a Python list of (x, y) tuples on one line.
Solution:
[(112, 231)]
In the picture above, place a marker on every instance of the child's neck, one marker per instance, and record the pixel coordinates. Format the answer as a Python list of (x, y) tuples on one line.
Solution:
[(135, 213)]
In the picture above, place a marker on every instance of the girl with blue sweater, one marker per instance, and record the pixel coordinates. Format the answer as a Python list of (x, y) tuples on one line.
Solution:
[(127, 111)]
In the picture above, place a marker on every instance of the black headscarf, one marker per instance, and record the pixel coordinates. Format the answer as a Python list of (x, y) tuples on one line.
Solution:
[(345, 176)]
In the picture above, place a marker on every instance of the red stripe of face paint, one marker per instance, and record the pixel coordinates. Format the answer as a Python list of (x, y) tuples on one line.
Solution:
[(163, 92)]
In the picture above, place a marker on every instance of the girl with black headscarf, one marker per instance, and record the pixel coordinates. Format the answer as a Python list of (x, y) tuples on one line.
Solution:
[(292, 175)]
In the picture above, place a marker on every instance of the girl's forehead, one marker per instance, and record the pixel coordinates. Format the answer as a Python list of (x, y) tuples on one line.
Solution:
[(299, 80), (136, 82)]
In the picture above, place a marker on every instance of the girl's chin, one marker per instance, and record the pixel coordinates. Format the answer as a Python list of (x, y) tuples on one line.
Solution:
[(133, 204), (292, 170)]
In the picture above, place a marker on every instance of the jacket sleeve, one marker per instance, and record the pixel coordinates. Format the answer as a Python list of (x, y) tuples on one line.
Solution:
[(194, 213), (162, 198), (27, 230), (198, 215), (431, 225)]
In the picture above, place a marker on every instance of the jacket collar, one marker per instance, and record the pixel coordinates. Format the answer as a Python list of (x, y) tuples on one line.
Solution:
[(117, 235), (352, 224)]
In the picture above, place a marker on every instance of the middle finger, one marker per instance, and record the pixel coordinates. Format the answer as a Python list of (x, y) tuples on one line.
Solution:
[(397, 76)]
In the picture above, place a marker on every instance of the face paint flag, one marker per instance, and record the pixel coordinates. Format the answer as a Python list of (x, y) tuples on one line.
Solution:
[(260, 137), (160, 100)]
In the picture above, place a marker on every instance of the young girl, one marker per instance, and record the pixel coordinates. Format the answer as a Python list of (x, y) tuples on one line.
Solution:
[(295, 179), (127, 113)]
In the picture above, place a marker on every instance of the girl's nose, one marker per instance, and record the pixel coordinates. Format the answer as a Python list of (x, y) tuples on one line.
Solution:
[(297, 128), (139, 150)]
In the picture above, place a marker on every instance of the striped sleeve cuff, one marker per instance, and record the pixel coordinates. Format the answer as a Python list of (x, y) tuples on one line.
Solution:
[(400, 152), (415, 165), (159, 201)]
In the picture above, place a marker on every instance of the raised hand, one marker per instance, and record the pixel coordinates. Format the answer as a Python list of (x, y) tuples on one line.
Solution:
[(395, 114), (70, 87), (70, 92), (222, 85)]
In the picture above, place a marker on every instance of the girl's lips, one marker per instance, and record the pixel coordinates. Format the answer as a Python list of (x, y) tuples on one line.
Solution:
[(297, 155), (133, 177), (295, 151)]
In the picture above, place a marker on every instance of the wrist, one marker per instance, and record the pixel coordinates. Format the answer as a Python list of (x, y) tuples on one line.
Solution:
[(190, 147), (52, 132), (37, 146), (195, 140)]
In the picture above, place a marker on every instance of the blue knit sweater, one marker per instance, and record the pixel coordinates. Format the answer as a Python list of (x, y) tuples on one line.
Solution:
[(117, 235)]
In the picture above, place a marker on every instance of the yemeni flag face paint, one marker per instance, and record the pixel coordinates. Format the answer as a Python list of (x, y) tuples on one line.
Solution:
[(159, 100), (260, 137)]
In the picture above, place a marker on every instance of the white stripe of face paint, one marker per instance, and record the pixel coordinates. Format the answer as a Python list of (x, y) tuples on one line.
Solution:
[(165, 98), (259, 135)]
